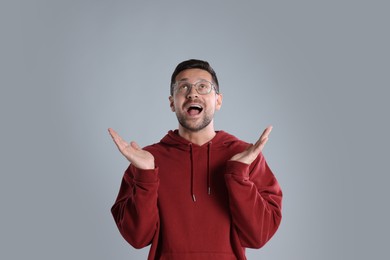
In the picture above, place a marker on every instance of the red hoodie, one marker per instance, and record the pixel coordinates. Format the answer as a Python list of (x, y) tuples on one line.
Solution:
[(196, 203)]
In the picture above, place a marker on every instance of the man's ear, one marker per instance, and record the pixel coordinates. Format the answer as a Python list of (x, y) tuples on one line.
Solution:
[(218, 102), (171, 104)]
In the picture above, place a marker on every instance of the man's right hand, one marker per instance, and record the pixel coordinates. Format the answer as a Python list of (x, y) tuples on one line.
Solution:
[(139, 158)]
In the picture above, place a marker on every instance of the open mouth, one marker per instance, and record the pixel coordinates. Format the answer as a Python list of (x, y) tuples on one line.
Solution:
[(194, 109)]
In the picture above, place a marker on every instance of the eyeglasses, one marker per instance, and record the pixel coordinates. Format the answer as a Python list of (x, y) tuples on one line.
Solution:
[(203, 87)]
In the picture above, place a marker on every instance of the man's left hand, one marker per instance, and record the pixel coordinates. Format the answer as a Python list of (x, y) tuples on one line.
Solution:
[(251, 153)]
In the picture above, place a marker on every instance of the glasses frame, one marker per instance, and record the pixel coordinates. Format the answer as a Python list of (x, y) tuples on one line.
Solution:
[(175, 89)]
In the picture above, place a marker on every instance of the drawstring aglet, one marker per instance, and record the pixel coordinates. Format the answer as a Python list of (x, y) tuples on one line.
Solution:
[(209, 190), (193, 197)]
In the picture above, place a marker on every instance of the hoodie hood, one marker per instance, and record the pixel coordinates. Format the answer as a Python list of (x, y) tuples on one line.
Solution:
[(220, 141)]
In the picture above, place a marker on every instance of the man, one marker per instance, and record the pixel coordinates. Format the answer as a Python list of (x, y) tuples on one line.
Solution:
[(198, 193)]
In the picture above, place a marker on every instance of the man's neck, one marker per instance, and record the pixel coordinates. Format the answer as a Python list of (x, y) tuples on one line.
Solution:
[(200, 137)]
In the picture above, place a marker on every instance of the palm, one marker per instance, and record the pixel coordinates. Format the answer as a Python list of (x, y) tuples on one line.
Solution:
[(250, 154), (138, 157)]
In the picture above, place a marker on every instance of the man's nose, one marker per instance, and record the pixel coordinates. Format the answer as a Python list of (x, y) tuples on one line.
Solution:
[(192, 93)]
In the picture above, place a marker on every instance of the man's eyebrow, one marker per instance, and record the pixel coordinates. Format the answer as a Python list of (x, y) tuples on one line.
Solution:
[(186, 79)]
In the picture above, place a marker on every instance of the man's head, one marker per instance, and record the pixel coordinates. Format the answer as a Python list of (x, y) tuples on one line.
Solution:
[(194, 64), (195, 95)]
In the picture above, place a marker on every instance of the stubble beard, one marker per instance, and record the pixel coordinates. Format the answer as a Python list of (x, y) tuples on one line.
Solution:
[(194, 127)]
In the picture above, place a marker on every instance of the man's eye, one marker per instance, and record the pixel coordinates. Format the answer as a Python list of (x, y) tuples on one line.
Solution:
[(202, 86), (183, 87)]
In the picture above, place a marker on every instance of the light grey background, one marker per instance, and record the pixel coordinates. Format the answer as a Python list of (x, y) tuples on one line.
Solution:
[(318, 71)]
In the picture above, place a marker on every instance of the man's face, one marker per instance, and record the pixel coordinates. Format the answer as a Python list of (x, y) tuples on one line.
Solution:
[(193, 110)]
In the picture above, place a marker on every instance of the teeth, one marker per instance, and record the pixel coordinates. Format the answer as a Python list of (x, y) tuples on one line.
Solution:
[(196, 106)]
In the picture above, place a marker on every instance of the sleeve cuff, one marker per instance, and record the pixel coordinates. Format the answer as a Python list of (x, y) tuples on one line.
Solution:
[(146, 176), (238, 169)]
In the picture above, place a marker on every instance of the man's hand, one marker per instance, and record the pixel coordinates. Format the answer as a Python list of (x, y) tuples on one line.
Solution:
[(139, 158), (250, 154)]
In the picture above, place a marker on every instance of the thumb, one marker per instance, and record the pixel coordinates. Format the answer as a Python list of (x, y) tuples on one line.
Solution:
[(135, 145)]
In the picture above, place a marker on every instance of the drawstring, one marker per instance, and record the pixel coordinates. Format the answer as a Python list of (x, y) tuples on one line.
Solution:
[(208, 170), (208, 167), (192, 174)]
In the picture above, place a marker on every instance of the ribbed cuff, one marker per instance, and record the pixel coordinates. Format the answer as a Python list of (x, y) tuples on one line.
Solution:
[(146, 176), (238, 169)]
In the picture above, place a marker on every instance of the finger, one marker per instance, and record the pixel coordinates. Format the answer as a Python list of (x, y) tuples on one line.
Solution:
[(267, 131), (264, 136), (263, 140), (112, 133), (120, 143), (262, 144)]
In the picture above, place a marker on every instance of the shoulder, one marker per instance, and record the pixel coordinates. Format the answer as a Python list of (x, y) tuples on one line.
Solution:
[(229, 141), (156, 147)]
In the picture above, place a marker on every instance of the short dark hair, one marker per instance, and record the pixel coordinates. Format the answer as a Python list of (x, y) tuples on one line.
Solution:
[(194, 64)]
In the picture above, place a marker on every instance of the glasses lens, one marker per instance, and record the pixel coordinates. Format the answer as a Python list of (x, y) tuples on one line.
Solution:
[(182, 87), (203, 87)]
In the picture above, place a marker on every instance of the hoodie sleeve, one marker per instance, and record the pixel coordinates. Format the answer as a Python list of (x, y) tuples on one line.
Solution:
[(255, 200), (135, 209)]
